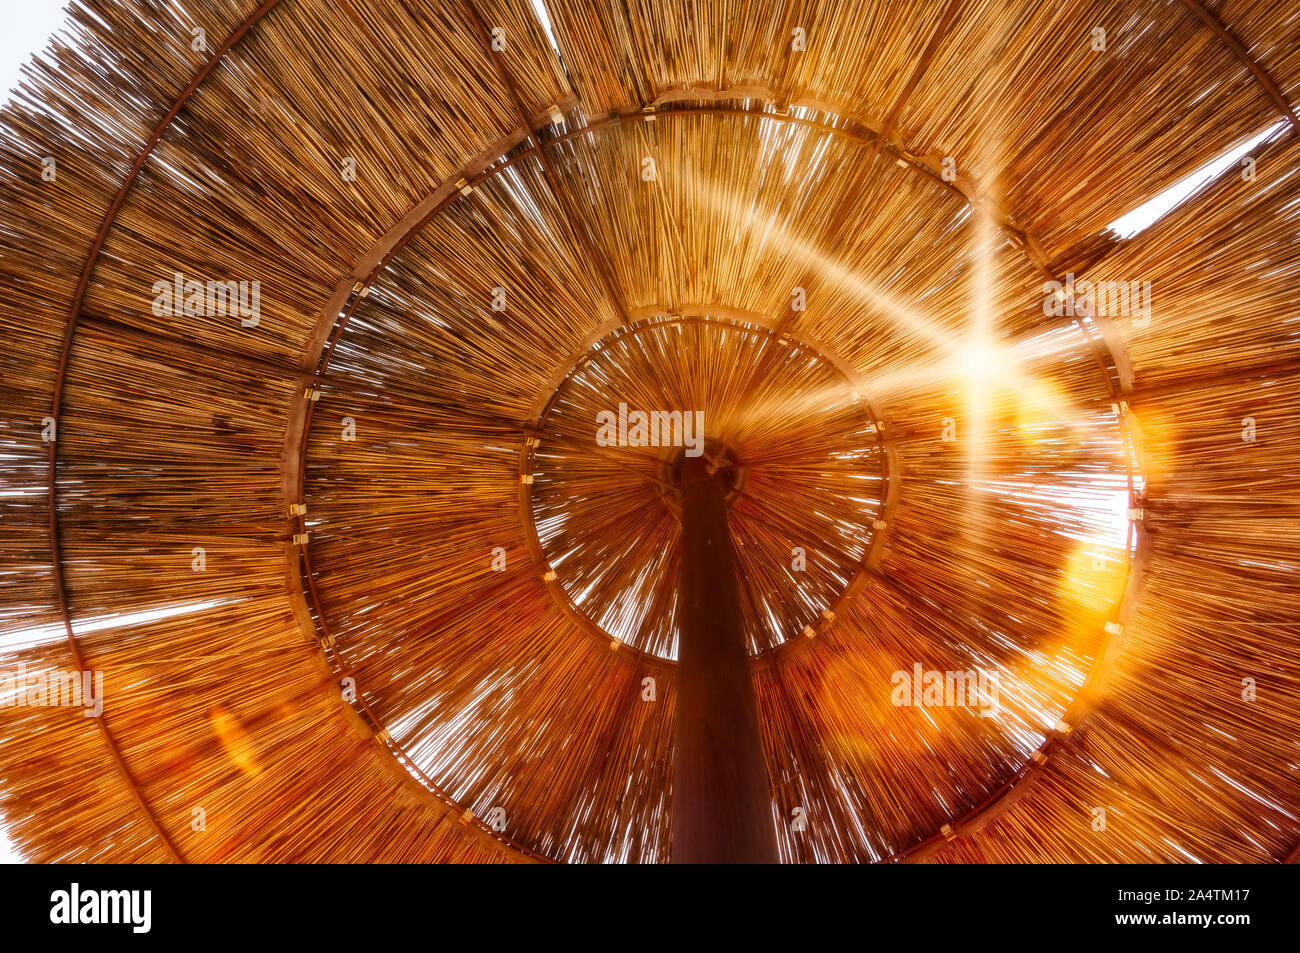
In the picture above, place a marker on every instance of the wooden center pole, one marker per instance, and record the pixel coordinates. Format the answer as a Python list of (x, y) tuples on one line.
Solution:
[(722, 805)]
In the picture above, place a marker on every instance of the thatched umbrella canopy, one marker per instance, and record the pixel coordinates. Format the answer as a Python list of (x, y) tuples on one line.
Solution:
[(363, 586)]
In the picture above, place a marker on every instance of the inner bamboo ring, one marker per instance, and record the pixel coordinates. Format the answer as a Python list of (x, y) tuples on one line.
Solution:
[(794, 432)]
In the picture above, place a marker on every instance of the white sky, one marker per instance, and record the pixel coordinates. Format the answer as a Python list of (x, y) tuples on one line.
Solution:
[(1126, 226), (27, 24)]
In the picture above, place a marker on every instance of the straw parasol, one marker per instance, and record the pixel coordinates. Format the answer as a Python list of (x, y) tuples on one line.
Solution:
[(362, 584)]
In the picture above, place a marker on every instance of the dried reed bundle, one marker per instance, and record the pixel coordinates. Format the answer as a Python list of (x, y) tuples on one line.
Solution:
[(463, 649)]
